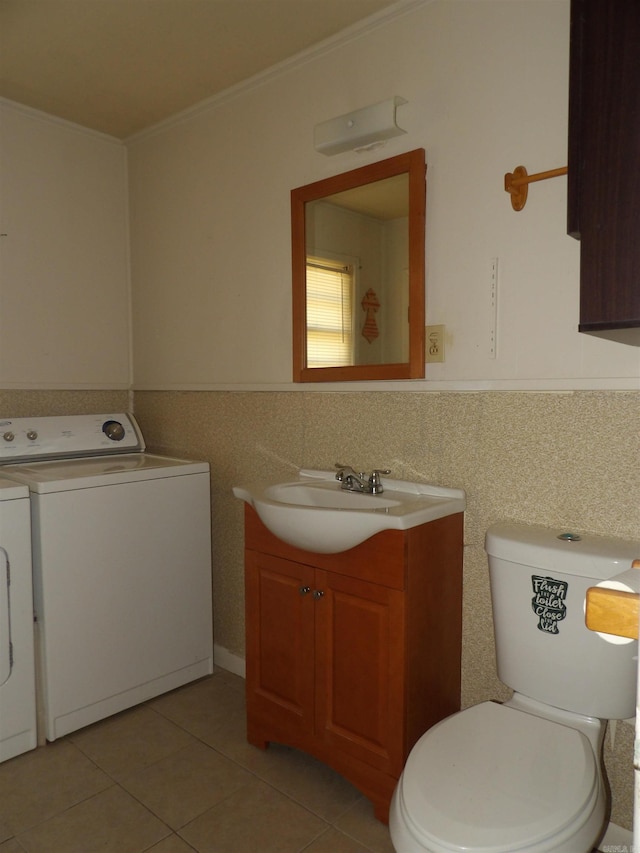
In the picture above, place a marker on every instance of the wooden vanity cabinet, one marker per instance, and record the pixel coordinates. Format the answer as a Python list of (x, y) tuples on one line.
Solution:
[(604, 164), (352, 656)]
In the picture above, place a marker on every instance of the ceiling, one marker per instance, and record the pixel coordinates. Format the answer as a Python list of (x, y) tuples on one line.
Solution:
[(120, 66)]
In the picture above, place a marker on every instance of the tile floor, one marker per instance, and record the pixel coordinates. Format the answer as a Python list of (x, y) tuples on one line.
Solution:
[(176, 775)]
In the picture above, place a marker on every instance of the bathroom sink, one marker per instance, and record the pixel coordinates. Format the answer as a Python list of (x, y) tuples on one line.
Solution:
[(328, 495), (316, 514)]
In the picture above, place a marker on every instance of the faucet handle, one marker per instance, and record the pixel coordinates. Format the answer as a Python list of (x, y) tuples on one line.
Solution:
[(342, 470), (375, 474), (375, 485)]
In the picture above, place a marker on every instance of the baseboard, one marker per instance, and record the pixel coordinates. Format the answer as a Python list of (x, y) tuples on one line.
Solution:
[(227, 660), (616, 840)]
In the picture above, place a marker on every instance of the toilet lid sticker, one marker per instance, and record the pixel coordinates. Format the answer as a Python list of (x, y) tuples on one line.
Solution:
[(548, 602)]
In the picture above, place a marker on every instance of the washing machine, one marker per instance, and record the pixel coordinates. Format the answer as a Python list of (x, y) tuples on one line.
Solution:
[(121, 550), (17, 669)]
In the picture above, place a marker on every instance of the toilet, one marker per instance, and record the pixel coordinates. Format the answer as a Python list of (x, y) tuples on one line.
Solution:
[(526, 776)]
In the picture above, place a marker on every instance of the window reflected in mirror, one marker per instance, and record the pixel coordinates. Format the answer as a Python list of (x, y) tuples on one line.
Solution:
[(330, 297)]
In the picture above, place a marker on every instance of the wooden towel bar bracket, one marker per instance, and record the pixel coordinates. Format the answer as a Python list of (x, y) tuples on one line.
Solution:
[(516, 183), (613, 611)]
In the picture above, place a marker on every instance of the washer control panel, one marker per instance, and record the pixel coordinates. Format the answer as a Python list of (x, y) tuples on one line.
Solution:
[(39, 439)]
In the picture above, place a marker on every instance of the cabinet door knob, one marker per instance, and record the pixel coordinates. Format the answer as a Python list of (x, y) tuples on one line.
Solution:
[(304, 590), (317, 593)]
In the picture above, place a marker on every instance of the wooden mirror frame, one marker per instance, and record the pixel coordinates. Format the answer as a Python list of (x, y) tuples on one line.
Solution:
[(412, 163)]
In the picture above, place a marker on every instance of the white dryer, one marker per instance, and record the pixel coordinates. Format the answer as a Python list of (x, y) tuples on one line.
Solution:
[(121, 564), (17, 670)]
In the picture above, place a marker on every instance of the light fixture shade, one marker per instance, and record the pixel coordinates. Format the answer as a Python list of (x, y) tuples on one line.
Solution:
[(360, 129)]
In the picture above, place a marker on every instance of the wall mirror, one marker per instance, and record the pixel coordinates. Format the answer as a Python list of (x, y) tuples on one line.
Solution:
[(358, 273)]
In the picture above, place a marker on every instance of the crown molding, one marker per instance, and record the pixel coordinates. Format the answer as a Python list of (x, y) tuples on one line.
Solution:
[(40, 115)]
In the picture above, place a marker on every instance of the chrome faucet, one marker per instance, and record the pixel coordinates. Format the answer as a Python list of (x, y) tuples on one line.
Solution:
[(352, 481)]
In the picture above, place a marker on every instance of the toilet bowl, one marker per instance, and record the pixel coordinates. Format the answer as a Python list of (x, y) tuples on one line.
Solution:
[(500, 780), (526, 776)]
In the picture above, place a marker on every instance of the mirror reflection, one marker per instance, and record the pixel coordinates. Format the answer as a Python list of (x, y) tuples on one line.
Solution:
[(358, 252), (357, 245)]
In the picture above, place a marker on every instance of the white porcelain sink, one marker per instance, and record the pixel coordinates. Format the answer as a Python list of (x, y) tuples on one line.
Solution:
[(316, 514)]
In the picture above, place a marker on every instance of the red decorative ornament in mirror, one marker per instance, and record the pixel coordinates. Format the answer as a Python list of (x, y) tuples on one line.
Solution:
[(371, 305)]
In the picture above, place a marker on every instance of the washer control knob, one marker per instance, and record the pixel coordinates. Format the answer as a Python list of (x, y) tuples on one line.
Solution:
[(113, 430), (8, 436), (32, 435)]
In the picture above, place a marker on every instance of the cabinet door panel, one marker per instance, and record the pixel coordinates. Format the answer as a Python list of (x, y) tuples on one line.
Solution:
[(359, 694), (604, 163), (280, 668)]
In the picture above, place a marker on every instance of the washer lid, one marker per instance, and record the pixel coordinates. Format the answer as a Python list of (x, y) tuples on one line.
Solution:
[(95, 471), (11, 491), (494, 779)]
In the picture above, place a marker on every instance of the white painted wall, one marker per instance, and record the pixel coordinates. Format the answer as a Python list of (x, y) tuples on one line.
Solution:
[(64, 279), (486, 84), (487, 88)]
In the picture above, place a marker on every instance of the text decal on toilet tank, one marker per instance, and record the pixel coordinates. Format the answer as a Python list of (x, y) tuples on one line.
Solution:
[(548, 602)]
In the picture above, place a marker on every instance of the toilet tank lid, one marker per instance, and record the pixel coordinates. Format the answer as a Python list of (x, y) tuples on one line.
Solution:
[(585, 554)]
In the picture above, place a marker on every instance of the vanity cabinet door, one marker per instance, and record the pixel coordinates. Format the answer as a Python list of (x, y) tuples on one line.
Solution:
[(325, 660), (360, 670), (280, 648)]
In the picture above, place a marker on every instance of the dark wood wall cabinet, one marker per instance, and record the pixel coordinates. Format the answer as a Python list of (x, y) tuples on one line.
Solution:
[(352, 656), (604, 164)]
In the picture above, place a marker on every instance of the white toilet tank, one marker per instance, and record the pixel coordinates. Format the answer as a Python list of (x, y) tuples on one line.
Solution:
[(543, 648)]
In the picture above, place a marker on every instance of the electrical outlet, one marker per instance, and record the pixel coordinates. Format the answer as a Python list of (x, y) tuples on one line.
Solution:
[(434, 344)]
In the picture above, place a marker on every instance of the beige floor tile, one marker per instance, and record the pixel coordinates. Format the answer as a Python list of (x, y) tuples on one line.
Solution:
[(230, 738), (201, 708), (130, 741), (181, 761), (360, 823), (257, 818), (42, 783), (185, 784), (312, 784), (12, 846), (307, 781), (110, 822), (334, 841), (172, 844), (232, 681)]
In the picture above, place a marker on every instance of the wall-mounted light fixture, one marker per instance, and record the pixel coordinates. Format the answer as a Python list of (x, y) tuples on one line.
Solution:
[(360, 130)]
